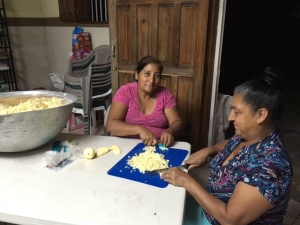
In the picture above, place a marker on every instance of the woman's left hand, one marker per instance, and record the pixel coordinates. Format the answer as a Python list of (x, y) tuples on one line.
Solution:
[(175, 176), (166, 138)]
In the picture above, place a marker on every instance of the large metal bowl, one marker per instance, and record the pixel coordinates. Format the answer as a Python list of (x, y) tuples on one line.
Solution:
[(29, 130)]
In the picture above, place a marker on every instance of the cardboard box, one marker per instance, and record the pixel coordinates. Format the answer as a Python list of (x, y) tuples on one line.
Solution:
[(84, 41)]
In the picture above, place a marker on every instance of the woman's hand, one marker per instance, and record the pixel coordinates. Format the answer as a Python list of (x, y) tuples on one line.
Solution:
[(176, 177), (147, 137), (200, 157), (166, 138), (197, 159)]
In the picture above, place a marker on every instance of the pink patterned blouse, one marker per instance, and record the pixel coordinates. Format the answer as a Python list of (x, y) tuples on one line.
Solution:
[(157, 121)]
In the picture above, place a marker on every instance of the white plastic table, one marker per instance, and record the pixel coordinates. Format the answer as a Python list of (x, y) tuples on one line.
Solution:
[(82, 193)]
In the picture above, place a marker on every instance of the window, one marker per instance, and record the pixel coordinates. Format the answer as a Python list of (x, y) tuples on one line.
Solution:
[(83, 11)]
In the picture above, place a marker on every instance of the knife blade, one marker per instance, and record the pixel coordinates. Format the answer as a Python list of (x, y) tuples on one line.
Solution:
[(162, 170)]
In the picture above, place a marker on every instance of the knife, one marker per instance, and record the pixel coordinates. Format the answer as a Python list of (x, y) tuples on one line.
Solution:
[(161, 146), (162, 170)]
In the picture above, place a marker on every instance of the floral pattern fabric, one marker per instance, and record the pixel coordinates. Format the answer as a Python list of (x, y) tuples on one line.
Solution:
[(264, 165)]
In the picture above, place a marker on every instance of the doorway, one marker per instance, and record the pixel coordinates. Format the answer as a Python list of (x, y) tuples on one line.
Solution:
[(258, 34)]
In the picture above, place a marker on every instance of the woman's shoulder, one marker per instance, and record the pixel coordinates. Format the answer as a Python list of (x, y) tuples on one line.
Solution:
[(273, 141), (129, 87), (272, 149), (162, 89), (163, 92), (165, 97), (125, 93)]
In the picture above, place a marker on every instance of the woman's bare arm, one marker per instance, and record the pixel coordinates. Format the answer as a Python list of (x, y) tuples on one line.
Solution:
[(175, 126), (115, 124), (245, 205)]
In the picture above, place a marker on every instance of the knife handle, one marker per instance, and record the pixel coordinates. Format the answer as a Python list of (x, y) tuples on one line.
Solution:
[(184, 166)]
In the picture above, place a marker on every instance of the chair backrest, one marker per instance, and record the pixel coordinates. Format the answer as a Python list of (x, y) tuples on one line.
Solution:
[(100, 78), (105, 121), (80, 80), (100, 85), (223, 109), (102, 54)]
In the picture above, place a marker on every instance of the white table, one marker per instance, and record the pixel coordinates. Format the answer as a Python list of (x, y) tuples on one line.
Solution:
[(82, 192)]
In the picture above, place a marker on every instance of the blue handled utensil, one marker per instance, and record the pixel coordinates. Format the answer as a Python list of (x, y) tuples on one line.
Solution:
[(162, 147)]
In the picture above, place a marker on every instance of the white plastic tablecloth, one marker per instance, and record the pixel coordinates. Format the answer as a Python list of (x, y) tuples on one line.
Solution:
[(83, 192)]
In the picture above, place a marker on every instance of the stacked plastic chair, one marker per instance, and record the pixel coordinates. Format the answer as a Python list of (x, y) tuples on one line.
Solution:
[(100, 89), (79, 81)]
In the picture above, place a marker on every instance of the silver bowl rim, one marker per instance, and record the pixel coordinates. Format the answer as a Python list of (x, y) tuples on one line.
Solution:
[(69, 96)]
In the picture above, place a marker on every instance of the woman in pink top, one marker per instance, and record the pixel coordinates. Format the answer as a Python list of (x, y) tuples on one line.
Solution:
[(144, 109)]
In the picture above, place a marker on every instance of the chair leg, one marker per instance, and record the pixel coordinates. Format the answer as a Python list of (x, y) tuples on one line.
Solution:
[(106, 133), (93, 118), (67, 127), (71, 122)]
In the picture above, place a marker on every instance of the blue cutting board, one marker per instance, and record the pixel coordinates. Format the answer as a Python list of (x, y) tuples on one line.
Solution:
[(121, 169)]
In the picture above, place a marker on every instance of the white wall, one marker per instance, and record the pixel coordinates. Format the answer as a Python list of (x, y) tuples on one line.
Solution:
[(31, 8), (39, 51)]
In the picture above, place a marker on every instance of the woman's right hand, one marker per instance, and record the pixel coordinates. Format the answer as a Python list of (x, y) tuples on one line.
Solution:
[(147, 137)]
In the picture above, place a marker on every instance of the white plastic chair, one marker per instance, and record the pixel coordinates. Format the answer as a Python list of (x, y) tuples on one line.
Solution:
[(100, 89), (99, 108), (81, 81), (105, 121)]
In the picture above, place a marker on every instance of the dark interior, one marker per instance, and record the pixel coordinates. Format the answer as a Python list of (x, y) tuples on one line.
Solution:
[(259, 34)]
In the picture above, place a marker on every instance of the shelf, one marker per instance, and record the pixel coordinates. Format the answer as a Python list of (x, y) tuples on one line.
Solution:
[(8, 80)]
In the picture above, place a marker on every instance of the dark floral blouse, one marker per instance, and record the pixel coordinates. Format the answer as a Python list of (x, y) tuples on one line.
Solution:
[(264, 165)]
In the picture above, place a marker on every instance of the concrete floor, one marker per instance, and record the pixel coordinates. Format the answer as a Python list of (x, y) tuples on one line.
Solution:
[(291, 135)]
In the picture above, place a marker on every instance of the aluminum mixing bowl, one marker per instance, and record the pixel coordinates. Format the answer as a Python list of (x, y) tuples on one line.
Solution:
[(29, 130)]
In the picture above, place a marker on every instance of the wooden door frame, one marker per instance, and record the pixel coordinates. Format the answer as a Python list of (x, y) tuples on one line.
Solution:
[(113, 44), (202, 72), (205, 82), (216, 68)]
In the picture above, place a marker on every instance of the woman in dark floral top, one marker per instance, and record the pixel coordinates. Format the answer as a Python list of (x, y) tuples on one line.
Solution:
[(251, 173)]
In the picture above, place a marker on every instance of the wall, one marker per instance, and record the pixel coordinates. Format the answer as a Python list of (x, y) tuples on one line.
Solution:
[(41, 50), (31, 8)]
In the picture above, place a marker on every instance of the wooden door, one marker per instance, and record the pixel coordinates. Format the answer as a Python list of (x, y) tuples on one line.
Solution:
[(175, 32)]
